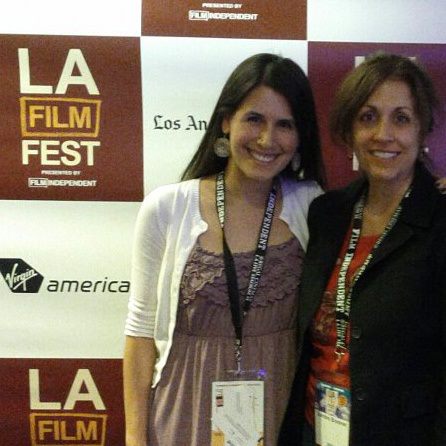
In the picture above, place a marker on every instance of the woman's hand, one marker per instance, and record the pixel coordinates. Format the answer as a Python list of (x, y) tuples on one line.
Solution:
[(139, 361), (441, 185)]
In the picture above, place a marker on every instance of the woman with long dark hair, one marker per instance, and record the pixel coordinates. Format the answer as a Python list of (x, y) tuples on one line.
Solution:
[(217, 260)]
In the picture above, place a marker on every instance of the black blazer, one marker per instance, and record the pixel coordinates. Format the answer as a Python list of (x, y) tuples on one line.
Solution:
[(398, 320)]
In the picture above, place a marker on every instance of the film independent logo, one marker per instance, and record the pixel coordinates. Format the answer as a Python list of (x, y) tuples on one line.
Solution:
[(19, 276)]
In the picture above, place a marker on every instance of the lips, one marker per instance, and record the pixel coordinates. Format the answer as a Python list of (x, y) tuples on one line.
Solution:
[(262, 157), (384, 155)]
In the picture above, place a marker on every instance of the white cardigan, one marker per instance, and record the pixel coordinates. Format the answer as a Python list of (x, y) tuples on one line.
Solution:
[(167, 228)]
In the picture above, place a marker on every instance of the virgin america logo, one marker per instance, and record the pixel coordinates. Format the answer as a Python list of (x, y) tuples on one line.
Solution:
[(19, 276)]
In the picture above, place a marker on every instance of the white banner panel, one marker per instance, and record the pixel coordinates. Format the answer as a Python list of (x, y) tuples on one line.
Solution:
[(65, 270), (79, 18), (392, 21)]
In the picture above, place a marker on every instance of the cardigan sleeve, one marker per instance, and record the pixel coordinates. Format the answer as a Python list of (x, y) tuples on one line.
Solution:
[(297, 197), (148, 248)]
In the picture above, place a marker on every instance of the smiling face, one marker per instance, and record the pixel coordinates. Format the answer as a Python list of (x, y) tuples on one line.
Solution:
[(263, 136), (386, 135)]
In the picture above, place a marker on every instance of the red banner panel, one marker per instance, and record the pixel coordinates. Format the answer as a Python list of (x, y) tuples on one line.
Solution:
[(61, 402), (250, 19), (72, 119)]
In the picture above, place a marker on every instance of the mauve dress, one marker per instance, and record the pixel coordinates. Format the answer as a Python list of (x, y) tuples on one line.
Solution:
[(203, 343)]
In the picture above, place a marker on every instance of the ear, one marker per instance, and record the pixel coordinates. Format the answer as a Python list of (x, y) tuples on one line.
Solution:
[(350, 152)]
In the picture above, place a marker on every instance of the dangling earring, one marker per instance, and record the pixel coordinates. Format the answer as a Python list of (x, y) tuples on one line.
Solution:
[(221, 146), (295, 162), (422, 154)]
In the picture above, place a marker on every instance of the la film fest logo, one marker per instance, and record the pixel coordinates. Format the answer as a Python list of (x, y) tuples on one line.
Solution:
[(59, 133), (58, 423), (20, 277), (232, 11)]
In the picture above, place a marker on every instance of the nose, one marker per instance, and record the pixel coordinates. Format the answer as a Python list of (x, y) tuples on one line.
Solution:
[(384, 130), (266, 137)]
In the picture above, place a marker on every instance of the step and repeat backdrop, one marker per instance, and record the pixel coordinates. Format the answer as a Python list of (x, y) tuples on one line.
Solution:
[(102, 101)]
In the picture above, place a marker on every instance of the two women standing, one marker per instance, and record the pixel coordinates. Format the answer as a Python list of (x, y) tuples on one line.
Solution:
[(217, 263)]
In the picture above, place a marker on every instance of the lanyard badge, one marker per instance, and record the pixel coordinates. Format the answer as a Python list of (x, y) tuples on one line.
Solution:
[(238, 405), (343, 291), (239, 310), (332, 403), (332, 407)]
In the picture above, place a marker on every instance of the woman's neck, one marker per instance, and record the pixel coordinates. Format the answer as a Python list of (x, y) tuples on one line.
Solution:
[(252, 191), (381, 202), (384, 197)]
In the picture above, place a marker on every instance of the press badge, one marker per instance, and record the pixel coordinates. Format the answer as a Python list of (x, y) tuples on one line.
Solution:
[(237, 413), (332, 415)]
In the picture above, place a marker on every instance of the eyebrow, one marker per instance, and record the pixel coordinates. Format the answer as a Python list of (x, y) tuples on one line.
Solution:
[(399, 107), (256, 113), (290, 121)]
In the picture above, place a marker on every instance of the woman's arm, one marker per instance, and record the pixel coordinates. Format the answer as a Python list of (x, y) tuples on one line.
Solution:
[(139, 361), (440, 428), (439, 248), (140, 351)]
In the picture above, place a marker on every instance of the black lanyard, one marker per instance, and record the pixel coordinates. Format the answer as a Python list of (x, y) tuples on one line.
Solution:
[(343, 292), (239, 310)]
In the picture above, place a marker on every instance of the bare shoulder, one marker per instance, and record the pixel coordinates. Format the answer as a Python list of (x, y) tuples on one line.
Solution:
[(207, 185)]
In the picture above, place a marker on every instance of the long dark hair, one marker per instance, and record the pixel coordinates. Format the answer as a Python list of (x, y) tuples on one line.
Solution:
[(286, 78)]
